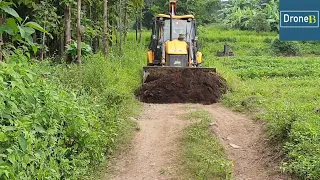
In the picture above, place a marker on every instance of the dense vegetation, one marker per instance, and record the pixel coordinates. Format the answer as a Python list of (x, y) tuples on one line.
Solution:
[(251, 14), (281, 90), (58, 120)]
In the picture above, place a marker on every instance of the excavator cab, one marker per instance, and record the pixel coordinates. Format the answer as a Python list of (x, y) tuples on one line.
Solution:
[(174, 42), (173, 45)]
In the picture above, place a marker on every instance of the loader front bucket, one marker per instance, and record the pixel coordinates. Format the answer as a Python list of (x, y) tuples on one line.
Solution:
[(151, 73)]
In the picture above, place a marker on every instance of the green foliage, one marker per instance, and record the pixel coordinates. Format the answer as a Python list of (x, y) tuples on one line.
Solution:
[(283, 91), (20, 31), (57, 123), (259, 23), (287, 48), (43, 124), (251, 15), (204, 10), (46, 14), (85, 49)]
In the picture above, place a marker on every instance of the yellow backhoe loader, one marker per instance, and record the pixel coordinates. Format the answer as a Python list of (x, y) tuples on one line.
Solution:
[(174, 45)]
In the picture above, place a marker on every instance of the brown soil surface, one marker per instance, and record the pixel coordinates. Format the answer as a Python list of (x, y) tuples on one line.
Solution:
[(156, 145), (246, 144), (186, 86)]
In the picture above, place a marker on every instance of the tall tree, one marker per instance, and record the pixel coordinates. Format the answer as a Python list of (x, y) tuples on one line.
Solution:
[(136, 27), (95, 43), (79, 33), (43, 43), (105, 27), (125, 20), (137, 6), (1, 37), (120, 27), (140, 25), (67, 16)]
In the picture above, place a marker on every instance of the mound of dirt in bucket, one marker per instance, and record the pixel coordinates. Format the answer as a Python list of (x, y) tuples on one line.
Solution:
[(184, 87)]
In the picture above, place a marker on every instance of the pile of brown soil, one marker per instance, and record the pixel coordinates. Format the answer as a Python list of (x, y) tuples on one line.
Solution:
[(186, 86)]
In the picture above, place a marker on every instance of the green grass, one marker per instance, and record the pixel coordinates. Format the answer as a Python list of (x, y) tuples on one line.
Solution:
[(284, 91), (202, 156)]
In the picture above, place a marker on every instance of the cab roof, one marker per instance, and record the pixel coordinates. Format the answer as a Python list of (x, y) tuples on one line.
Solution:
[(175, 17)]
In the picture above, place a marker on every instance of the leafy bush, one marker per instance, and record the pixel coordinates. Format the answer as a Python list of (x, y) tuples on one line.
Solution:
[(44, 128), (57, 123), (267, 40), (259, 23), (287, 48), (73, 47)]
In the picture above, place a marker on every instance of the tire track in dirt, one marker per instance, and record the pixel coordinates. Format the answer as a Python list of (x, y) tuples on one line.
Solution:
[(155, 147), (246, 144)]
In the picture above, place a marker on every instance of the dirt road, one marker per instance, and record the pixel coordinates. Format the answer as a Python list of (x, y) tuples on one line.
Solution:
[(246, 145), (156, 145)]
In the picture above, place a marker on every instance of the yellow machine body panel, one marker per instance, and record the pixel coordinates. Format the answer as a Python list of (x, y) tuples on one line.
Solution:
[(175, 17), (150, 56), (199, 57), (176, 47)]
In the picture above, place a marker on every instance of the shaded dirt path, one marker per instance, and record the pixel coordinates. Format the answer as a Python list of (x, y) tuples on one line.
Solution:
[(155, 146)]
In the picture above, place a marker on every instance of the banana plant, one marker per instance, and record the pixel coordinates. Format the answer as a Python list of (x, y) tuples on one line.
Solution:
[(240, 13), (272, 11)]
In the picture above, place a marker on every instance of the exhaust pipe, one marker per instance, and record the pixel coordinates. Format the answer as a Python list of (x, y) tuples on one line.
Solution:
[(170, 27), (172, 12), (173, 7)]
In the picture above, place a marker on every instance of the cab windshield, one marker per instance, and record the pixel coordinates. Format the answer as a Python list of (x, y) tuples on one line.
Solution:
[(178, 27)]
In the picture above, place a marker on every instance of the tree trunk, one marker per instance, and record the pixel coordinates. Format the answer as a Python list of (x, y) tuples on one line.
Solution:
[(43, 42), (105, 28), (125, 19), (68, 31), (95, 43), (120, 27), (113, 33), (136, 14), (61, 45), (1, 38), (79, 33), (117, 30), (140, 27)]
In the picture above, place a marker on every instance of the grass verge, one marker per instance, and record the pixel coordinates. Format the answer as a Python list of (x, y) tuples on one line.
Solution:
[(203, 156), (283, 91)]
